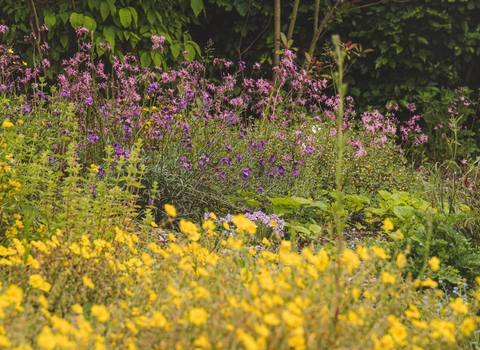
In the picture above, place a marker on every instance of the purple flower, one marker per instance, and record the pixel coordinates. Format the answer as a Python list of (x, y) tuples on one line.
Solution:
[(295, 172), (93, 138), (52, 159), (89, 101), (246, 173), (65, 93), (464, 161), (239, 156)]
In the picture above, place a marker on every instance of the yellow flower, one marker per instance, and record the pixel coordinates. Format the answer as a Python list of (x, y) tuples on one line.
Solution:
[(244, 224), (388, 278), (271, 319), (197, 316), (172, 237), (46, 339), (24, 63), (43, 301), (35, 280), (213, 216), (10, 50), (388, 225), (379, 252), (266, 241), (401, 260), (459, 306), (363, 252), (7, 124), (226, 226), (200, 292), (153, 224), (351, 259), (202, 342), (88, 282), (235, 243), (101, 312), (413, 312), (419, 324), (434, 263), (170, 210), (188, 227), (78, 309), (208, 225), (4, 342), (468, 326), (429, 283)]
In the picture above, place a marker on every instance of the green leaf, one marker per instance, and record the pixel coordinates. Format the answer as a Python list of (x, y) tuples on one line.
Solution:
[(157, 60), (104, 10), (64, 41), (91, 4), (195, 45), (422, 40), (252, 203), (151, 17), (109, 32), (197, 6), (134, 14), (76, 20), (399, 49), (64, 17), (125, 17), (145, 59), (111, 41), (284, 39), (175, 50), (89, 23), (50, 21)]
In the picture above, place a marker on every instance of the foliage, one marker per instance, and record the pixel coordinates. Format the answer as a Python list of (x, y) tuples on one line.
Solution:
[(437, 236), (451, 125), (125, 25)]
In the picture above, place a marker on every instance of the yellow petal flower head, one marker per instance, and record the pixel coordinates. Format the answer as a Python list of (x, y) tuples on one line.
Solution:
[(388, 225), (244, 224), (88, 282), (459, 306), (351, 259), (401, 260), (363, 252), (7, 124), (170, 210), (188, 227), (468, 326), (197, 316), (379, 252), (388, 278), (153, 224), (101, 312), (434, 263)]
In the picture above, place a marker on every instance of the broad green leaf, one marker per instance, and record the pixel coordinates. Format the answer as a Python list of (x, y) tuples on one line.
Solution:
[(50, 21), (64, 41), (89, 23), (284, 39), (64, 17), (315, 228), (157, 59), (76, 20), (191, 52), (125, 17), (402, 212), (134, 15), (195, 45), (175, 50), (151, 17), (92, 4), (252, 203), (109, 32), (197, 6), (111, 41), (399, 49), (104, 10)]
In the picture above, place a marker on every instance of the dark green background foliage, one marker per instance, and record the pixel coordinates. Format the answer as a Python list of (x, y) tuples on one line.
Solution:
[(418, 45), (126, 24)]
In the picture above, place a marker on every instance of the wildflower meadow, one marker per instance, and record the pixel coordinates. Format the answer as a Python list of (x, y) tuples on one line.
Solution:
[(165, 209)]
